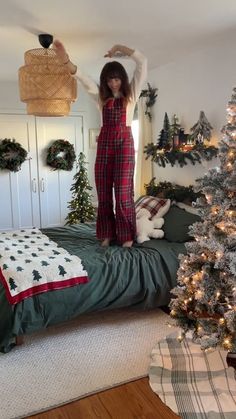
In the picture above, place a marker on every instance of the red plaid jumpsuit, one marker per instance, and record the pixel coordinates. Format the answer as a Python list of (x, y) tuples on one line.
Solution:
[(114, 167)]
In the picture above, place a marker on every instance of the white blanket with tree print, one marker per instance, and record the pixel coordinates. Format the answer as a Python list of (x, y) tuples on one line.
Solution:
[(31, 263)]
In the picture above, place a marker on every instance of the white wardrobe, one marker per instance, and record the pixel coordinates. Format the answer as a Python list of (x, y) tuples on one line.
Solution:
[(37, 195)]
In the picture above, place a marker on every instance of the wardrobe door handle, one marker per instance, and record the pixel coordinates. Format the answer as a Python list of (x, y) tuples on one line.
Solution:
[(42, 185), (34, 188)]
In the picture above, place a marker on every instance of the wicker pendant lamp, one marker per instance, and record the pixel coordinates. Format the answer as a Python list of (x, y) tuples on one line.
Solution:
[(45, 84)]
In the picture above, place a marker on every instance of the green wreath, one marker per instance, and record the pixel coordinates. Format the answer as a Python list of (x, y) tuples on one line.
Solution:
[(62, 162), (12, 155)]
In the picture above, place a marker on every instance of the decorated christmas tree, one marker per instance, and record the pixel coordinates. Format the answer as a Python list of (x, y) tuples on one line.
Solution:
[(205, 296), (81, 208), (201, 130)]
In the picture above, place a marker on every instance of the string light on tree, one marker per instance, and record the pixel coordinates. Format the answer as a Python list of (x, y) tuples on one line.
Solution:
[(81, 208), (206, 304)]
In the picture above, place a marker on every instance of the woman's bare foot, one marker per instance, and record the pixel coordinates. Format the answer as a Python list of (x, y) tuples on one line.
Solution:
[(105, 242), (127, 244)]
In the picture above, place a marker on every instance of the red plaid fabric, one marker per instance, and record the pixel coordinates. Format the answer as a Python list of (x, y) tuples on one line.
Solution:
[(114, 167), (153, 204)]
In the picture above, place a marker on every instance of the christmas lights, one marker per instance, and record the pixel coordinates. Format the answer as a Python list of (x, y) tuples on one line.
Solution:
[(206, 302)]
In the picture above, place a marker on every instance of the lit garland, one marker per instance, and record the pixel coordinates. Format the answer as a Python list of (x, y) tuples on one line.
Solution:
[(182, 156), (174, 146), (205, 300), (171, 191)]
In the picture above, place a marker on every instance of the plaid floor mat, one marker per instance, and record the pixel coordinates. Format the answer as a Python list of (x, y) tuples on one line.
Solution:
[(193, 383)]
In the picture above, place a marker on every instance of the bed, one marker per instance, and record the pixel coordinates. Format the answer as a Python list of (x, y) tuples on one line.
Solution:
[(118, 277)]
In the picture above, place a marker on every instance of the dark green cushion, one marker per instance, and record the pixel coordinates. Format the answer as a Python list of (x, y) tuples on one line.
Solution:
[(177, 222)]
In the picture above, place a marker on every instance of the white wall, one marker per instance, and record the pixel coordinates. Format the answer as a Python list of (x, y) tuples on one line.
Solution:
[(200, 81), (10, 102)]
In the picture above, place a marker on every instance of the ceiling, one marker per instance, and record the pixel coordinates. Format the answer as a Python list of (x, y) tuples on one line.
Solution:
[(163, 29)]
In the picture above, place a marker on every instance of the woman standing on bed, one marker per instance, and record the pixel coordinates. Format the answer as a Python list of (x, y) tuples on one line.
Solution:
[(115, 160)]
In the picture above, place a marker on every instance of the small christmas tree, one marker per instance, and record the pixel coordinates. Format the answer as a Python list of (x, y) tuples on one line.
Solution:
[(81, 206), (44, 263), (12, 284), (164, 140), (36, 275), (206, 292), (201, 130), (62, 271)]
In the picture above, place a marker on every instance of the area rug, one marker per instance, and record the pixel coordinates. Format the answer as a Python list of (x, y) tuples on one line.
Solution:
[(67, 362), (195, 384)]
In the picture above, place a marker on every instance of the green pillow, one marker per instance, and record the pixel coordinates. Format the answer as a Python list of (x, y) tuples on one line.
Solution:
[(177, 222)]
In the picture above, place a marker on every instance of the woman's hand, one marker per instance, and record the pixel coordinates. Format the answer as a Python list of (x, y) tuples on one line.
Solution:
[(60, 51), (63, 57), (119, 51)]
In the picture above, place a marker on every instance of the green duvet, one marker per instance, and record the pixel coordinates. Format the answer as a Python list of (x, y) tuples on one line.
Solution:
[(142, 276)]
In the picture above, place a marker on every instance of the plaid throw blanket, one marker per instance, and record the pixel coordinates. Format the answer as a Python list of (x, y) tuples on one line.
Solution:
[(193, 383), (31, 263)]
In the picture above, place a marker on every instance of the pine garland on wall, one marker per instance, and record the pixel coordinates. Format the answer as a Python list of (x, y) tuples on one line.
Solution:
[(174, 146), (150, 94), (171, 191)]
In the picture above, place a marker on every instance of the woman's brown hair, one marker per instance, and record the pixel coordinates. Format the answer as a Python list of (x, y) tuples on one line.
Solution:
[(112, 70)]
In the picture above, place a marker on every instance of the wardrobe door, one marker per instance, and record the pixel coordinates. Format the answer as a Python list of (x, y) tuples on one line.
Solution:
[(54, 185), (19, 190)]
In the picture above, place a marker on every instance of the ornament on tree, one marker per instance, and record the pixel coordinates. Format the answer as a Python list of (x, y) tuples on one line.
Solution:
[(81, 208), (205, 296)]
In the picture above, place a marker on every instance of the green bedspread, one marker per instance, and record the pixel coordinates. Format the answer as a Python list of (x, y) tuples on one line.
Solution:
[(142, 275)]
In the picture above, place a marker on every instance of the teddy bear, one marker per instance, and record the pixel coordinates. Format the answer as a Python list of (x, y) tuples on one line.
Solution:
[(147, 227)]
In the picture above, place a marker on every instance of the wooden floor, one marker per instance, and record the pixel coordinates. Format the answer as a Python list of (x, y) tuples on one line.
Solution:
[(134, 400)]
